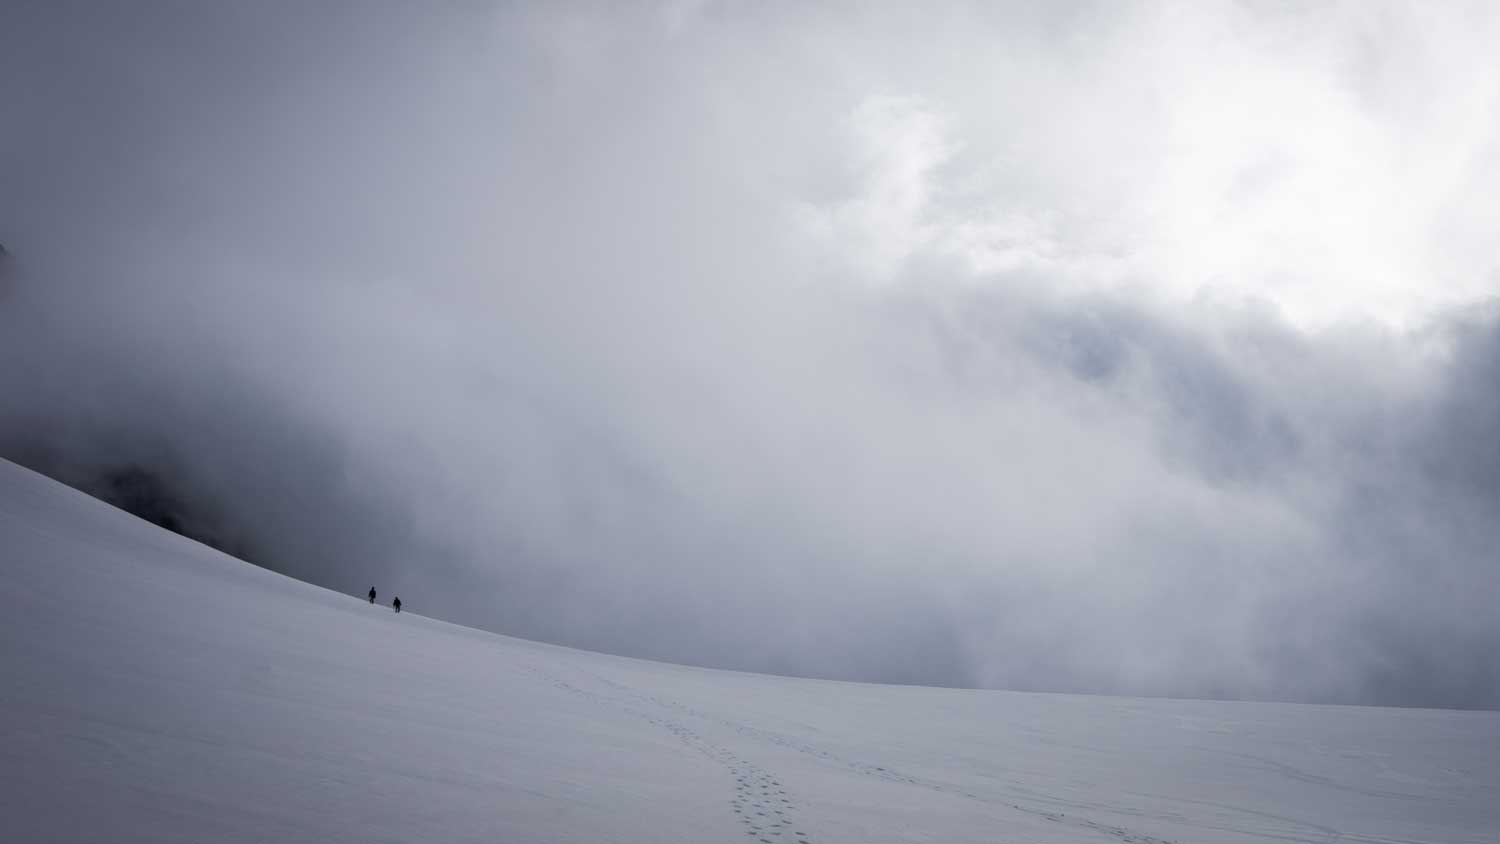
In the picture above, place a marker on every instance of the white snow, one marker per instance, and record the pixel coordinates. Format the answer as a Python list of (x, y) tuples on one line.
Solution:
[(155, 690)]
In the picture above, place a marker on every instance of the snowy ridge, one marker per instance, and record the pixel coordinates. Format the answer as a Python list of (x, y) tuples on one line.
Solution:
[(159, 691)]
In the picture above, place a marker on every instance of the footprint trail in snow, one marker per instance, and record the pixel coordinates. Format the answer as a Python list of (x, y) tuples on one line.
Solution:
[(761, 804)]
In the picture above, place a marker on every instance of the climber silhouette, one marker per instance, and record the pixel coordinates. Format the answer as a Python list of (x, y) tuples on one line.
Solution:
[(372, 594), (397, 604)]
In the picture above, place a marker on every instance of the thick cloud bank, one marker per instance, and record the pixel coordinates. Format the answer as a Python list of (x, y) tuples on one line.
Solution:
[(1132, 350)]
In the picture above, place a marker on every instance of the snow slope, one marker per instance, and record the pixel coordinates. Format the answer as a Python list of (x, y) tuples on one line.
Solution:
[(155, 690)]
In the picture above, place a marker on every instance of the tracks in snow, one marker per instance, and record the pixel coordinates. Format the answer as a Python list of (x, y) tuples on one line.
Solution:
[(891, 775), (760, 804)]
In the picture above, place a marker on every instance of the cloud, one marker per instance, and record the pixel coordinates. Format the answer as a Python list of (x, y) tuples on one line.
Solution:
[(1102, 349)]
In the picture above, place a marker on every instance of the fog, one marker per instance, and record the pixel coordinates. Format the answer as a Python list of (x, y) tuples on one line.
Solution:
[(1116, 349)]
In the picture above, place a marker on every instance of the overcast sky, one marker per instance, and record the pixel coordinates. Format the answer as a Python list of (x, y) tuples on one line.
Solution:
[(1122, 348)]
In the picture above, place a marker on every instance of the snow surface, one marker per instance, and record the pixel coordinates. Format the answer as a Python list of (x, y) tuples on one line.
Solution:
[(155, 690)]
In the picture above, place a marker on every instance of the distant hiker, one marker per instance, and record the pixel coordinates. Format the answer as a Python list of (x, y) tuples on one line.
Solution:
[(397, 604), (372, 594)]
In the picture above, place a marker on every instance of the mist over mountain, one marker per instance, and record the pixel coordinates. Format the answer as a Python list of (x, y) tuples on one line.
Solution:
[(1102, 348)]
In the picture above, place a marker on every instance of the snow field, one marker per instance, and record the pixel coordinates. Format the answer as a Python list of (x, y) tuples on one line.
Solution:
[(158, 691)]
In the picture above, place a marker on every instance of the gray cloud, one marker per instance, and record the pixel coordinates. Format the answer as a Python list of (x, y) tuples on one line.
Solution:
[(744, 338)]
